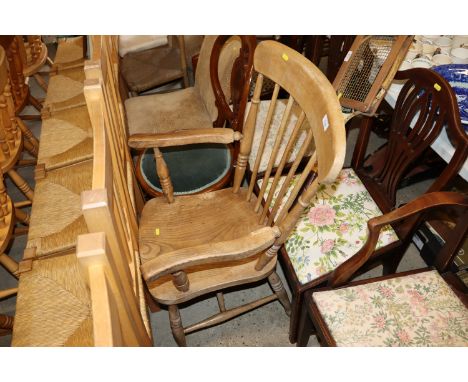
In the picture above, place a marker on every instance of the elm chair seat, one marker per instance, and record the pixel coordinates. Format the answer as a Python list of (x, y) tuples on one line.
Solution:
[(193, 168)]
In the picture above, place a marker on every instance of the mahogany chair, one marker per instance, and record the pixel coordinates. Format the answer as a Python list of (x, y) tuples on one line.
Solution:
[(209, 103), (333, 227), (423, 307), (199, 244), (145, 69)]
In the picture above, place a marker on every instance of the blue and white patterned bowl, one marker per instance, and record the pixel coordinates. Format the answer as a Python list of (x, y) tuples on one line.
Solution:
[(457, 77)]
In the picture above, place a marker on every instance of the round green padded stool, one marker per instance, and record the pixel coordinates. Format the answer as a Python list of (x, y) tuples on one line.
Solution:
[(193, 168)]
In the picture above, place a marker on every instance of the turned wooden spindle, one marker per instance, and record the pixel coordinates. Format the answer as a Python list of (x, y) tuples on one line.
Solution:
[(176, 325), (163, 174), (266, 257), (6, 322), (248, 134), (21, 184), (278, 288), (181, 281)]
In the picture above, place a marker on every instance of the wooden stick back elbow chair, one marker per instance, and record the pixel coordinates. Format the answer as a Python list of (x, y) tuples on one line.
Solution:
[(422, 307), (333, 227), (200, 244), (214, 101)]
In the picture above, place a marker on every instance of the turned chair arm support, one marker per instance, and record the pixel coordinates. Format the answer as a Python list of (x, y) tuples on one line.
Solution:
[(229, 250), (184, 137), (419, 206)]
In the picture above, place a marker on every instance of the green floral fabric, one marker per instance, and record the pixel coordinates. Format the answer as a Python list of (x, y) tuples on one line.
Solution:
[(334, 227), (415, 310)]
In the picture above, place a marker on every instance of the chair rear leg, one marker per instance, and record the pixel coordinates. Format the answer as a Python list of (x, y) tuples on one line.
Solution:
[(305, 328), (296, 304), (176, 325), (278, 288)]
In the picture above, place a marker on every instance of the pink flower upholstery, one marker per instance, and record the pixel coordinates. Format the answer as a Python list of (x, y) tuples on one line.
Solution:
[(414, 310)]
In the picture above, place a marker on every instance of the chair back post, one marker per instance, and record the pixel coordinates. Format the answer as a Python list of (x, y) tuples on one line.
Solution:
[(240, 77)]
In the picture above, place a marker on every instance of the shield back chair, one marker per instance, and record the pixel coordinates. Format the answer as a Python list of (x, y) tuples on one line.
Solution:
[(11, 132), (208, 242), (423, 307), (205, 105), (157, 60), (333, 227)]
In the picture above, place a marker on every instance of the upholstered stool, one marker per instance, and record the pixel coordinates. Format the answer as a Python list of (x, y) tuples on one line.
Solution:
[(54, 290), (414, 310), (56, 217), (193, 168), (66, 138)]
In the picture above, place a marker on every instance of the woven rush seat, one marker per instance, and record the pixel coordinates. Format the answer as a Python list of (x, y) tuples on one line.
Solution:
[(413, 310), (333, 228), (56, 217), (70, 52), (53, 305), (170, 220), (65, 90), (66, 138)]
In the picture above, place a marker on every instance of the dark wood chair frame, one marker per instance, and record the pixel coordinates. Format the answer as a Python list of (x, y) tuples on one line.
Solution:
[(311, 321), (382, 171), (231, 112)]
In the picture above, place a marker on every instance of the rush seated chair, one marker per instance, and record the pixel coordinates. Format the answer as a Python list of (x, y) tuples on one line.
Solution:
[(333, 227), (423, 307), (200, 244), (205, 105)]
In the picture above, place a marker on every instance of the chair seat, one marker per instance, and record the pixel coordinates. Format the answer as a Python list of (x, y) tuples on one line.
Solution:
[(56, 217), (334, 227), (132, 43), (414, 310), (70, 51), (149, 68), (195, 220), (164, 113), (274, 127), (65, 90), (193, 168), (66, 138), (54, 290)]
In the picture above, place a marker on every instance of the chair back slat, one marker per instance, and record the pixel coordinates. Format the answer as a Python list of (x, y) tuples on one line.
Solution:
[(263, 139), (275, 150), (319, 123)]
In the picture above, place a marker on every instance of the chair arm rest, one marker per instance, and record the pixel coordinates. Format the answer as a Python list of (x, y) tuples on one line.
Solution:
[(415, 209), (184, 137), (229, 250)]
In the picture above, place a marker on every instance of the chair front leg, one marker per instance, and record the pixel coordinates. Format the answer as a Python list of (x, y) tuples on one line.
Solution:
[(278, 288), (296, 304), (305, 327), (176, 325)]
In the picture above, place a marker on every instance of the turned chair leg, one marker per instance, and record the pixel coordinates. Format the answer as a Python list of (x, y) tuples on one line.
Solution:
[(6, 322), (21, 184), (278, 288), (176, 325)]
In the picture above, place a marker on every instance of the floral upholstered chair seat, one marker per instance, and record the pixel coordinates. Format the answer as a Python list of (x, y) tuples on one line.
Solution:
[(413, 310), (333, 228)]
